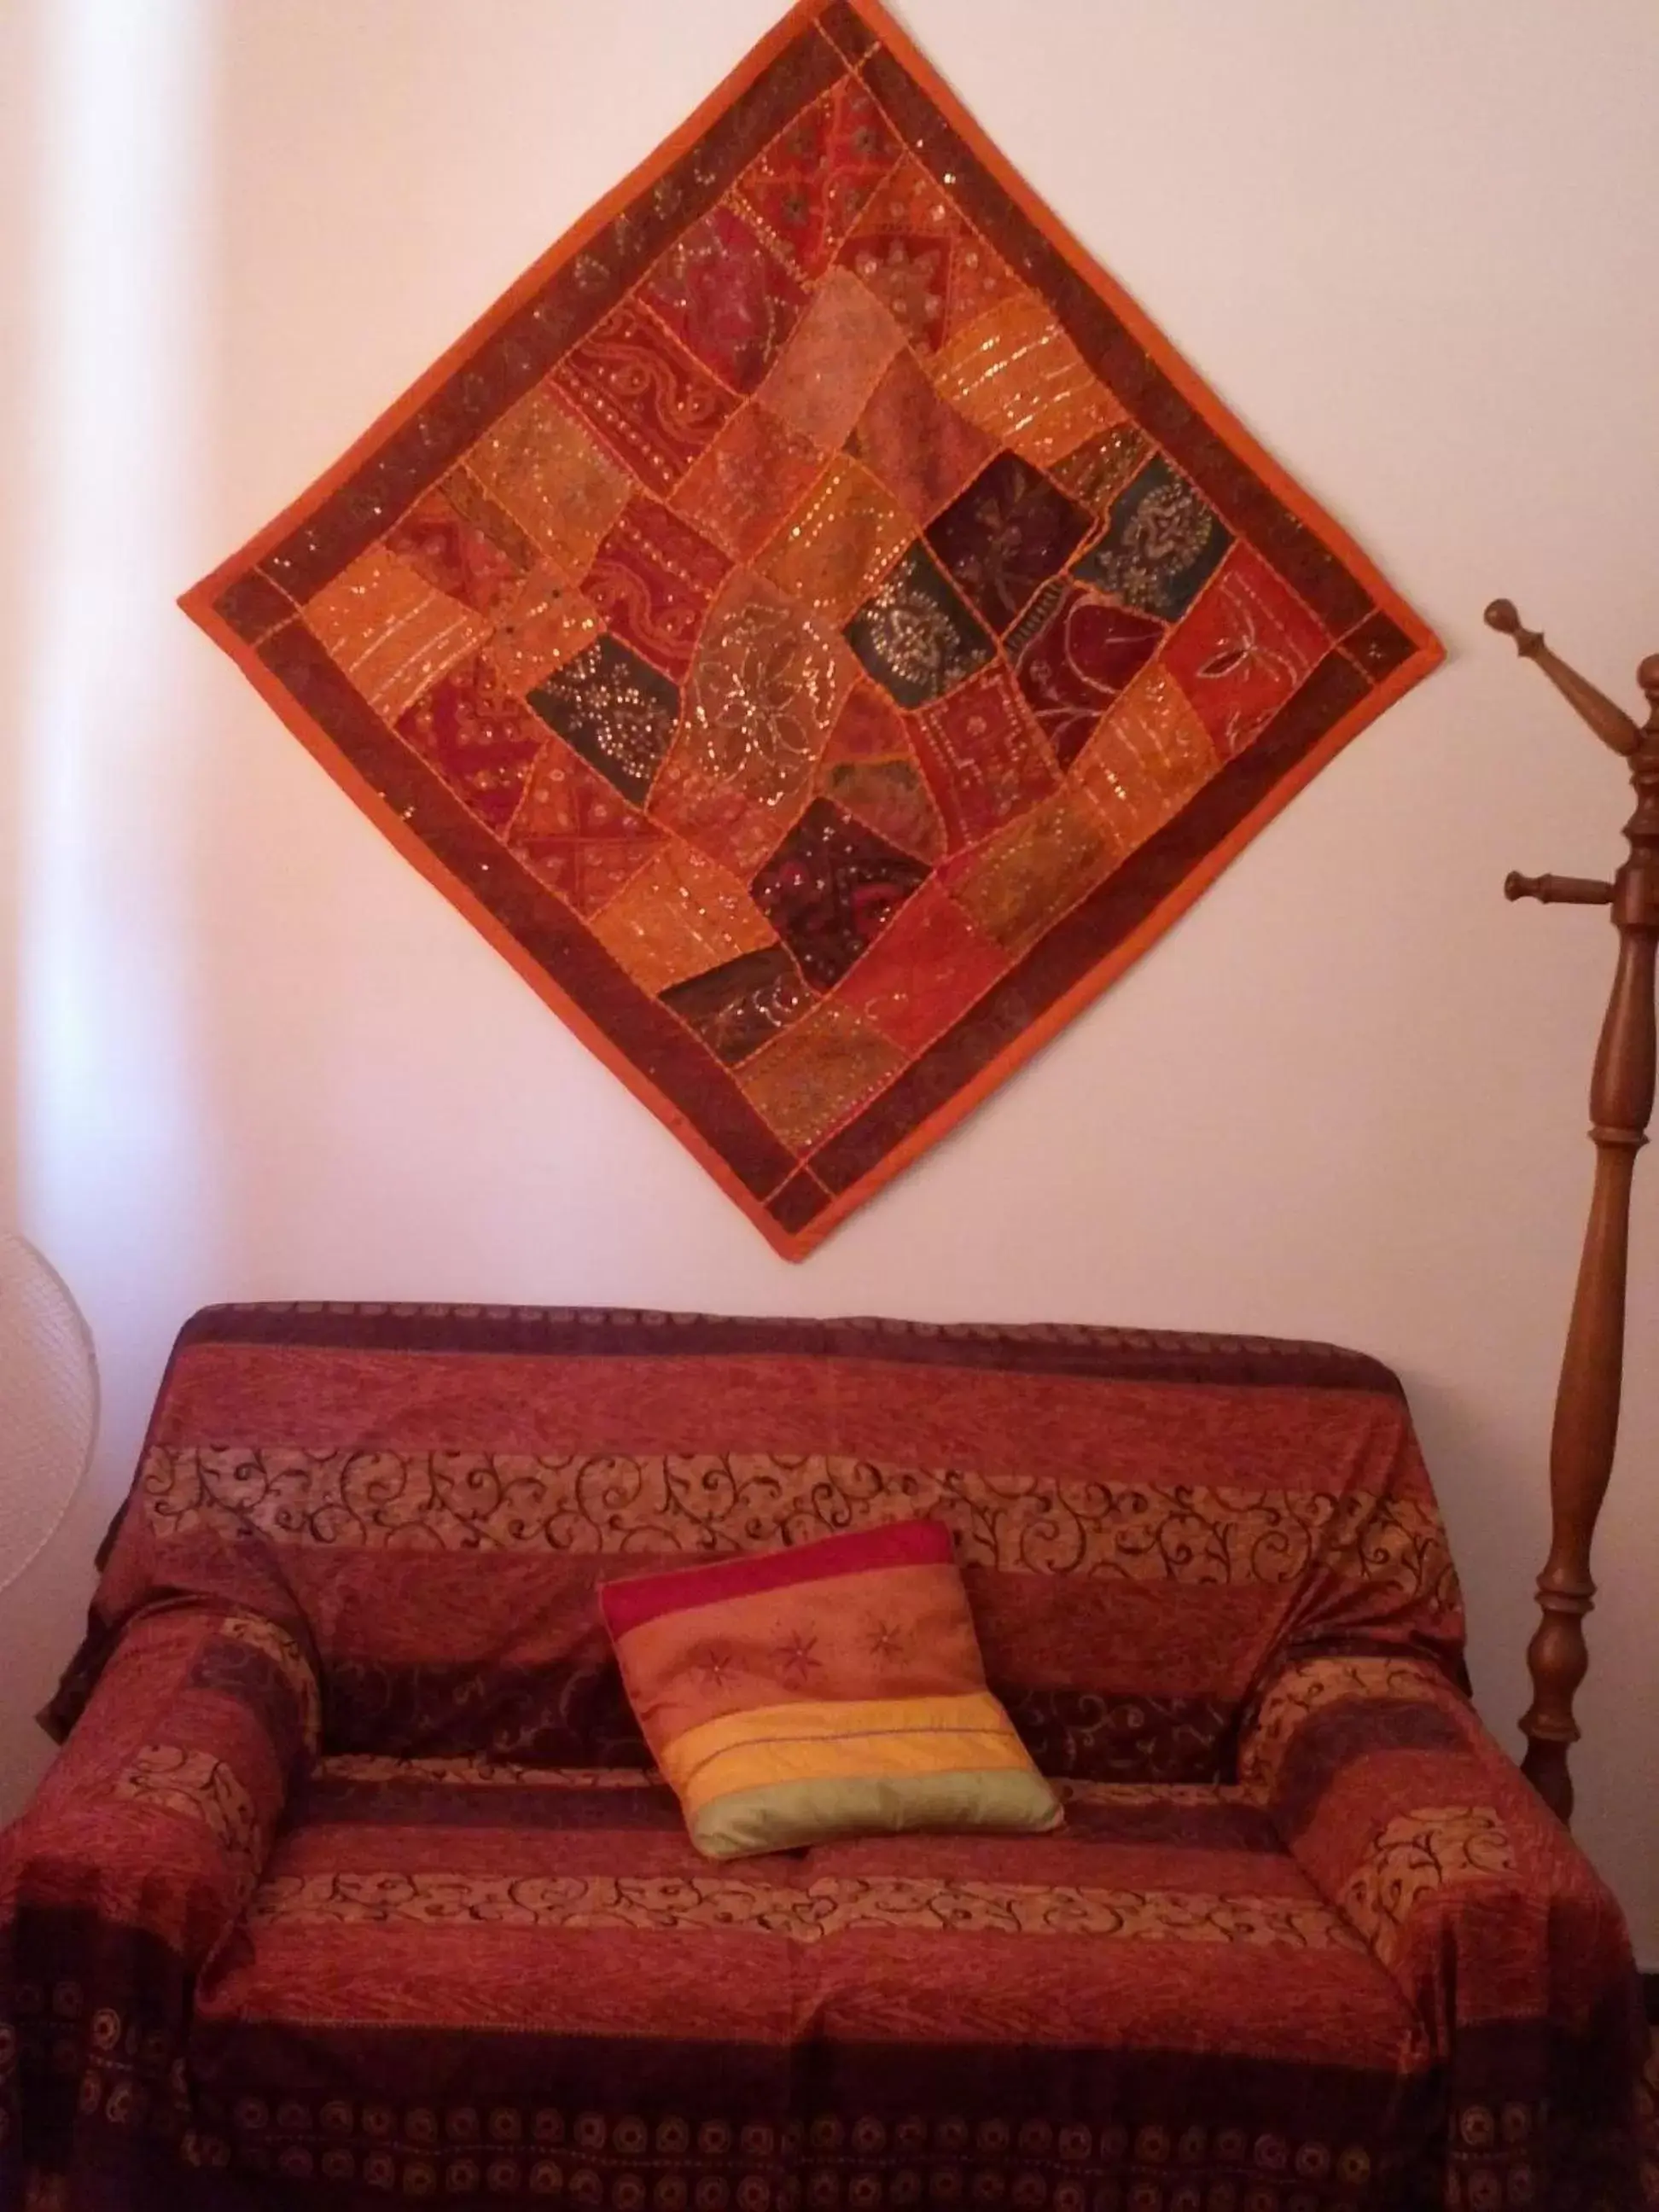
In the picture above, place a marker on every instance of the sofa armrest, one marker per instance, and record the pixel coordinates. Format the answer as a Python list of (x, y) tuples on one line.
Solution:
[(1512, 1954), (133, 1861)]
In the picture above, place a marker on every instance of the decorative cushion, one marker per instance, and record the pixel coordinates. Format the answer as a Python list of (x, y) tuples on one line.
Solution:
[(832, 1689)]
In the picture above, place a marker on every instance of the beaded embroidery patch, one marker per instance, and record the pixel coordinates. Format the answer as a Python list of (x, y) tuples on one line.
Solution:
[(815, 626)]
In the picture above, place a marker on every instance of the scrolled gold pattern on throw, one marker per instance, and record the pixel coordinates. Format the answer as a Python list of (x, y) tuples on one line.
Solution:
[(475, 1770), (831, 1906), (275, 1643), (198, 1787), (715, 1505), (1310, 1687), (1416, 1854)]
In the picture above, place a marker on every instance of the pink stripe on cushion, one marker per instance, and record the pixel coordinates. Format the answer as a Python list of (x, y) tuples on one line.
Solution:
[(640, 1598)]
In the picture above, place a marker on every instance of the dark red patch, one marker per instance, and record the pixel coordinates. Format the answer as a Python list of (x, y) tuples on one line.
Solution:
[(1074, 653), (924, 972), (643, 396), (982, 755), (1249, 645), (437, 541), (727, 297), (1006, 535), (832, 888), (577, 832), (480, 737), (652, 579), (810, 186)]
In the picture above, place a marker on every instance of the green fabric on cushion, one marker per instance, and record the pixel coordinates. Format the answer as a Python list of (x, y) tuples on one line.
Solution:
[(784, 1815)]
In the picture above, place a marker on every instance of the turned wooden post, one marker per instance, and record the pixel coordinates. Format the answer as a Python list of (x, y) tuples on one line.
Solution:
[(1586, 1426)]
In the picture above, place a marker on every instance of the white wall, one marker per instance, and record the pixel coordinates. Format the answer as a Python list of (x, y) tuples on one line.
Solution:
[(1416, 247)]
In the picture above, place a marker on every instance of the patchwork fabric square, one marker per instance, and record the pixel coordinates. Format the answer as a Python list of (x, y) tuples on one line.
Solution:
[(814, 626)]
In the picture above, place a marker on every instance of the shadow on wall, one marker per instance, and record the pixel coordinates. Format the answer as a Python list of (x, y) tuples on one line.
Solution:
[(1490, 1491), (108, 170)]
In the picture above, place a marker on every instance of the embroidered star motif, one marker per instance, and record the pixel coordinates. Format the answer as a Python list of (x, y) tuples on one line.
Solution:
[(887, 1640), (716, 1664), (796, 1656)]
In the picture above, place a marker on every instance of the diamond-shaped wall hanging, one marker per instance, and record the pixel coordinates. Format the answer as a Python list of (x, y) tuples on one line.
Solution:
[(815, 626)]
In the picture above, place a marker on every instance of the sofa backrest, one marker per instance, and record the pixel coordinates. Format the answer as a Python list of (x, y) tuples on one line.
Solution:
[(428, 1497)]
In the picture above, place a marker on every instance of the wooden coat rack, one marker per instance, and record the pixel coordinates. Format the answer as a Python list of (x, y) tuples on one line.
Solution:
[(1586, 1426)]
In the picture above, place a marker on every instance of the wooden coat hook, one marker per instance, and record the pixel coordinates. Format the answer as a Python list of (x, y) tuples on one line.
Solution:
[(1586, 1426)]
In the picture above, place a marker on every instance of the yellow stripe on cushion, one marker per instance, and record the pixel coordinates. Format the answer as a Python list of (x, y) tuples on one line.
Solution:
[(829, 1717), (816, 1740), (900, 1758)]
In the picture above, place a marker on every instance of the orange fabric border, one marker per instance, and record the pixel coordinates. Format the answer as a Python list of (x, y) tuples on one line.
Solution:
[(199, 603)]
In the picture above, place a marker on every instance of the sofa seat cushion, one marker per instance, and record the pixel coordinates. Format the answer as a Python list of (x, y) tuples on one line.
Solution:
[(453, 1970)]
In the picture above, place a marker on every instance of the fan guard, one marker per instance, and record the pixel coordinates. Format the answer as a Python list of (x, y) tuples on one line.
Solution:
[(48, 1403)]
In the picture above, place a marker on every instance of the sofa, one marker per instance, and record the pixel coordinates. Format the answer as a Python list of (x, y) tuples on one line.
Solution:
[(353, 1882)]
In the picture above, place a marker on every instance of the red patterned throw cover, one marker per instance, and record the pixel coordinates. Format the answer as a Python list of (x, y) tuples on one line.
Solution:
[(355, 1880), (814, 625)]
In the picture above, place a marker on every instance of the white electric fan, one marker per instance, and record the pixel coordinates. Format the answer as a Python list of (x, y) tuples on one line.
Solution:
[(48, 1403)]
